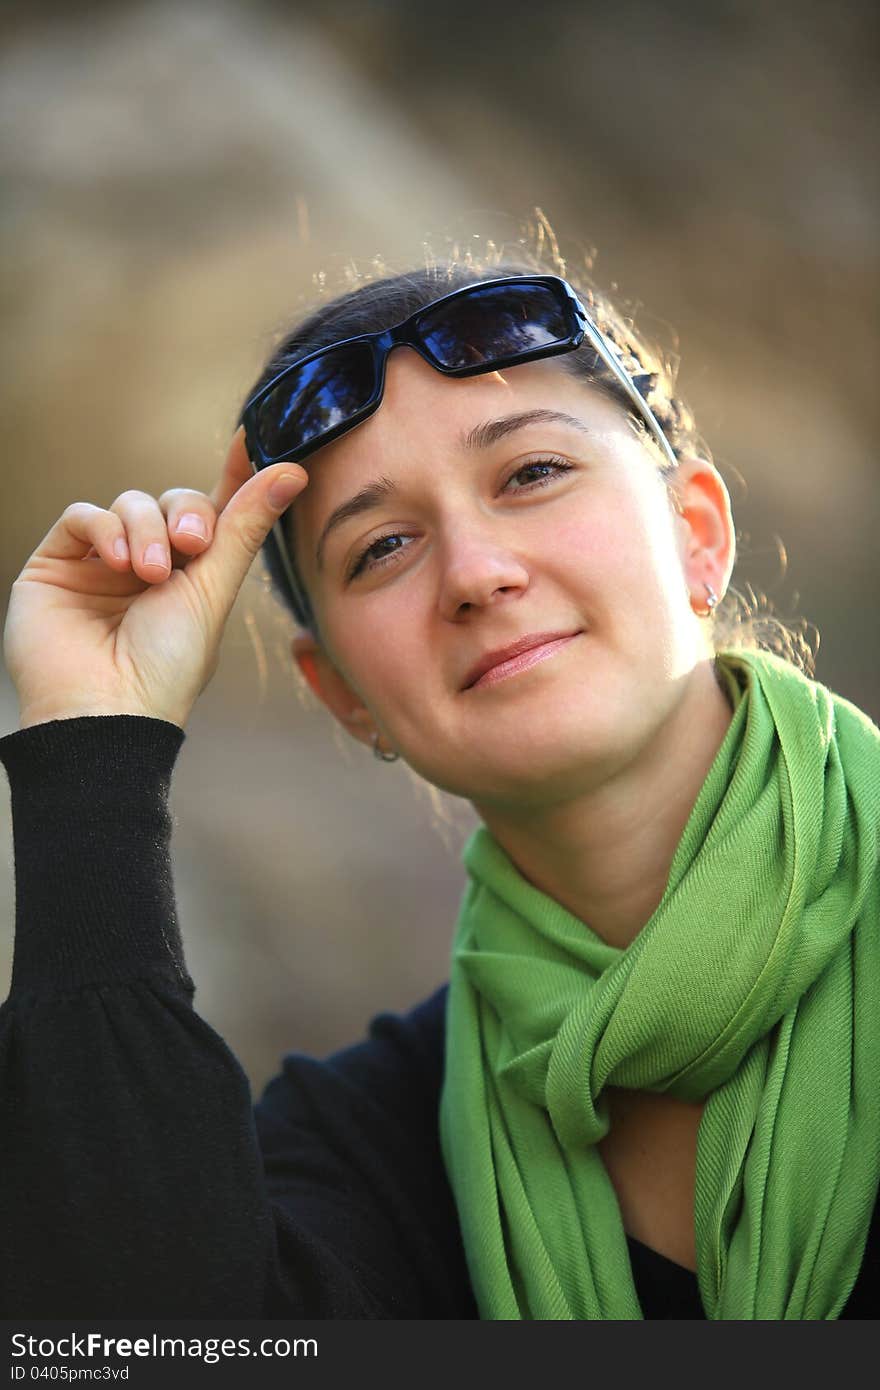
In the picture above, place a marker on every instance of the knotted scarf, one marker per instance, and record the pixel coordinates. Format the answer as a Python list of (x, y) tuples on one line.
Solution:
[(754, 985)]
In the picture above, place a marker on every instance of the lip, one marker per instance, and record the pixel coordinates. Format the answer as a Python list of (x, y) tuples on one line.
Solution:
[(518, 656)]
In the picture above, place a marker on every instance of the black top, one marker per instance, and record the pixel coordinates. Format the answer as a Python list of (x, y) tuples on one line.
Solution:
[(136, 1177)]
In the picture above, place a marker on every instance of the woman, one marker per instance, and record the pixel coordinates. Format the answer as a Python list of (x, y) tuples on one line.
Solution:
[(650, 1089)]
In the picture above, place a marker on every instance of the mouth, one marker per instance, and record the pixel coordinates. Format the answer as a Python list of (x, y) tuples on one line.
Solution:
[(518, 656)]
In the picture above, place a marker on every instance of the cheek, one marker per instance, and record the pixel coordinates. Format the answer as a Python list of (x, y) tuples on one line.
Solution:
[(604, 544), (622, 558), (379, 659), (661, 559), (593, 545)]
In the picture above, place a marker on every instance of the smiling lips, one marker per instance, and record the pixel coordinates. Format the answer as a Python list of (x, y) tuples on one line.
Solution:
[(518, 656)]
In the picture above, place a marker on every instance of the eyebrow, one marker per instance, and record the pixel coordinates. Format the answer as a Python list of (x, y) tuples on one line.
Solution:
[(489, 433), (481, 436), (369, 497)]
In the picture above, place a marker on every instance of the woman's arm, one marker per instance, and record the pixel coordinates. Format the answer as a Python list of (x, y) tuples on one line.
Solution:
[(132, 1178)]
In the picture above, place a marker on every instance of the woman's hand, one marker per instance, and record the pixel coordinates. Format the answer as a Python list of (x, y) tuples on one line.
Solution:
[(90, 631)]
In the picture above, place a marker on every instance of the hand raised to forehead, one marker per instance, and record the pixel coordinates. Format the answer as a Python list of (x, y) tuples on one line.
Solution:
[(122, 610)]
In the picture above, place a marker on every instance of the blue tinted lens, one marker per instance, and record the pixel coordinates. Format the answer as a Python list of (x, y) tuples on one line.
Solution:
[(319, 396), (492, 323)]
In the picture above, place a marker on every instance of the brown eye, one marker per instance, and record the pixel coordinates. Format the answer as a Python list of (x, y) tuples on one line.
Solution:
[(376, 552), (539, 472)]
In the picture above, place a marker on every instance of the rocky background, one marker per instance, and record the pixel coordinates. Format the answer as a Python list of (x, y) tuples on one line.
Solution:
[(178, 178)]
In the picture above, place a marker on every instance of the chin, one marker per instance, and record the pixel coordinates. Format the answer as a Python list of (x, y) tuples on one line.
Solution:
[(528, 772)]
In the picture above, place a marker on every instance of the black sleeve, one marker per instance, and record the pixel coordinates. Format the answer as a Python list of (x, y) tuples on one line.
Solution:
[(136, 1179)]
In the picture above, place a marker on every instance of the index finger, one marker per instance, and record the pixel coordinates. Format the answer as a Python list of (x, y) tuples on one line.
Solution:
[(236, 472)]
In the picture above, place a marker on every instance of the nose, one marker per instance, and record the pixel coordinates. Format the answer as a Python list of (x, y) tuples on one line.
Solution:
[(478, 570)]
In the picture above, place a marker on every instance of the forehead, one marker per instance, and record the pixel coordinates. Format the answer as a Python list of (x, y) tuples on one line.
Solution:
[(422, 416)]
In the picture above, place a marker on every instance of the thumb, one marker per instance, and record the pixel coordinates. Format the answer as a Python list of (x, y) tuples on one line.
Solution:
[(241, 529)]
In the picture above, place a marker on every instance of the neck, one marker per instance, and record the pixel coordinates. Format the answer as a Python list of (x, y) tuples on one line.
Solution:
[(605, 855)]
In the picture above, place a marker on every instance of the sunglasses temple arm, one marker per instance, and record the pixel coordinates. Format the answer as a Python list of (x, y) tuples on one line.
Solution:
[(300, 598), (598, 342)]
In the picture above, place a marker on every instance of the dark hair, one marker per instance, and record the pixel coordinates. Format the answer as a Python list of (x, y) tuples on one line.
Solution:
[(375, 300)]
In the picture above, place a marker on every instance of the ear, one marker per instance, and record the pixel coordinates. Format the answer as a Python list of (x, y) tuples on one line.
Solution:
[(707, 533), (332, 688)]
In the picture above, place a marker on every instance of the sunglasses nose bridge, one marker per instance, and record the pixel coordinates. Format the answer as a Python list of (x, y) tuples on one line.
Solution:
[(402, 335)]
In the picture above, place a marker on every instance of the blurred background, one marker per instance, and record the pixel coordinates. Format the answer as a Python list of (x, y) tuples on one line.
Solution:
[(180, 180)]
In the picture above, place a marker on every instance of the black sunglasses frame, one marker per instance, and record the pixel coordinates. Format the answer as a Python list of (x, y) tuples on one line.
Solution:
[(407, 334)]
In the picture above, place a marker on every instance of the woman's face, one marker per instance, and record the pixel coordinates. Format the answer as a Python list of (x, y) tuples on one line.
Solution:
[(478, 530)]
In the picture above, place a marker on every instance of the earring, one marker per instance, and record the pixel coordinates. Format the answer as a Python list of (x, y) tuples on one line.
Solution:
[(711, 601), (381, 753)]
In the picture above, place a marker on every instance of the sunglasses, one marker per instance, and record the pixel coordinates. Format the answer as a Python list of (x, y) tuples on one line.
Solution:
[(479, 328)]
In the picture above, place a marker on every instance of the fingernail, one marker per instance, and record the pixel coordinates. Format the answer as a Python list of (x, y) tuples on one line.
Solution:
[(191, 524), (155, 554), (283, 490)]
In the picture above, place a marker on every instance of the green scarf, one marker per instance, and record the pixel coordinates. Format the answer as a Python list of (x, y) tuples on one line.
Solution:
[(755, 984)]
